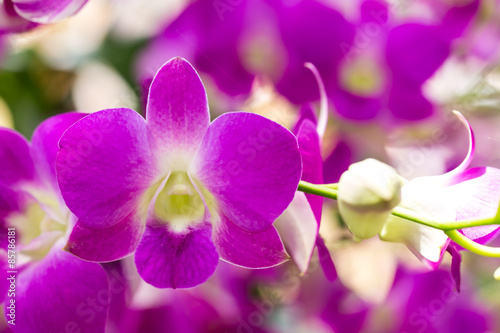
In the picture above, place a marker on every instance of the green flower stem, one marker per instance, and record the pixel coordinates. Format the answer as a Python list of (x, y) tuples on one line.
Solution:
[(330, 191), (320, 190), (472, 246), (446, 225)]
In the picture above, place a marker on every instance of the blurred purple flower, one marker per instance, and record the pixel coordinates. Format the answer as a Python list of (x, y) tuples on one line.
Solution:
[(269, 38), (52, 287), (387, 64), (370, 66), (22, 15), (427, 303), (177, 190)]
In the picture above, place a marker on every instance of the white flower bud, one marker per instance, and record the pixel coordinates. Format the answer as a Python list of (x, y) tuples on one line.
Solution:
[(367, 193)]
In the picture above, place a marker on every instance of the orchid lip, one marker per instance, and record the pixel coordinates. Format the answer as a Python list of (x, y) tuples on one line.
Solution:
[(177, 202)]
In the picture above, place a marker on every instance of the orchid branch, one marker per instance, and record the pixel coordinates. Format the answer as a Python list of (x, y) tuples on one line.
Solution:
[(330, 191), (472, 246)]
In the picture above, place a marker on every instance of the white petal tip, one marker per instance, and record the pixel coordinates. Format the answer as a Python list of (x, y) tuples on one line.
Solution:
[(323, 110)]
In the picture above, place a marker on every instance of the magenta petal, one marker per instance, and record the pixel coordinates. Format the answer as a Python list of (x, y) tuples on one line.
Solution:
[(476, 196), (312, 162), (4, 283), (11, 22), (248, 249), (337, 162), (15, 158), (306, 112), (457, 19), (9, 201), (456, 262), (109, 244), (46, 11), (105, 165), (325, 260), (354, 107), (415, 51), (167, 259), (177, 110), (62, 293), (45, 142), (301, 34), (406, 101), (251, 165), (374, 11)]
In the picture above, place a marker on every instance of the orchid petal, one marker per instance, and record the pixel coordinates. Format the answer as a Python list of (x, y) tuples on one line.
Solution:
[(306, 112), (170, 259), (300, 35), (323, 109), (325, 260), (11, 22), (374, 11), (17, 165), (427, 243), (46, 11), (407, 102), (4, 266), (456, 261), (105, 166), (413, 292), (312, 162), (470, 152), (177, 110), (475, 195), (248, 249), (355, 107), (460, 173), (337, 162), (9, 201), (456, 20), (44, 143), (415, 51), (108, 244), (61, 279), (298, 228), (251, 166)]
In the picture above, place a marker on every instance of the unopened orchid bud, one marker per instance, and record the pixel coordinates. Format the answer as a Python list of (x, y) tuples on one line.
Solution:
[(367, 193)]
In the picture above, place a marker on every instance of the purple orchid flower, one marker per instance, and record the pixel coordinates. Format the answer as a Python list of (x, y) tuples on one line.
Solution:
[(206, 37), (177, 190), (369, 67), (387, 64), (460, 194), (331, 303), (227, 302), (22, 15), (311, 32), (52, 287), (233, 44), (427, 302)]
